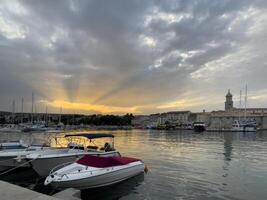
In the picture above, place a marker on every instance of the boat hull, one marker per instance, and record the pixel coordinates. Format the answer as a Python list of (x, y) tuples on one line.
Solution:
[(244, 126), (103, 180), (9, 162), (4, 168), (44, 165), (16, 157), (199, 128), (243, 130)]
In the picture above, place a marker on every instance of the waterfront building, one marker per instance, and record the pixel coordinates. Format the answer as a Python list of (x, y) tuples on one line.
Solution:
[(229, 104), (203, 117), (224, 119), (221, 119), (142, 121), (175, 118)]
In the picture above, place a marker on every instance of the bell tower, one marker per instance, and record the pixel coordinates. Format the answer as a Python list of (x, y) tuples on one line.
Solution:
[(229, 101)]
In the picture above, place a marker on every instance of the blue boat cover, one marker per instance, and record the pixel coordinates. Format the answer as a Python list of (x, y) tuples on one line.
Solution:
[(91, 136)]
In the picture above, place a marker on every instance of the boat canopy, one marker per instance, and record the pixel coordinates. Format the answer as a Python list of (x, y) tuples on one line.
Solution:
[(91, 136)]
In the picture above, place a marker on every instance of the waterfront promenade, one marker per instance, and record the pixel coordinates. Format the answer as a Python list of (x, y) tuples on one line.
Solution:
[(10, 191)]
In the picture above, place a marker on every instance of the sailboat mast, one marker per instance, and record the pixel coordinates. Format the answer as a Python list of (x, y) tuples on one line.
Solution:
[(246, 94), (73, 116), (46, 122), (32, 107), (240, 102), (13, 111), (35, 113), (59, 119), (22, 102)]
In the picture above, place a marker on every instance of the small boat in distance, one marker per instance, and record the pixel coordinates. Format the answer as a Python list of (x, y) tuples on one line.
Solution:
[(244, 126), (10, 128), (8, 145), (93, 172), (199, 126)]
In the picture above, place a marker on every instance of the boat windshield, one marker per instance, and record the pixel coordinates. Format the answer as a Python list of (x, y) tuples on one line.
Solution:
[(91, 137)]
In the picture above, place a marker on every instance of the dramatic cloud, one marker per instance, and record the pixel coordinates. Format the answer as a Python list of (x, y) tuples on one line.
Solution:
[(137, 56)]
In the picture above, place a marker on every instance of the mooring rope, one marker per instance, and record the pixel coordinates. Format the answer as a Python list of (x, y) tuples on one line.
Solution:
[(24, 163), (6, 160)]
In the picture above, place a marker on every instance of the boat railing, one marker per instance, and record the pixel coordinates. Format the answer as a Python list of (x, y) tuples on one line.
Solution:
[(85, 170), (60, 166)]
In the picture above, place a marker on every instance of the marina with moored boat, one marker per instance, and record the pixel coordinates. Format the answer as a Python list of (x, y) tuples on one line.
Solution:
[(155, 144), (83, 160)]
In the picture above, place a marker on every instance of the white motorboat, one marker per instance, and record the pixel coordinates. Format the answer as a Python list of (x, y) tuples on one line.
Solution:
[(13, 158), (93, 172), (244, 126), (10, 128), (34, 128), (8, 145), (44, 162)]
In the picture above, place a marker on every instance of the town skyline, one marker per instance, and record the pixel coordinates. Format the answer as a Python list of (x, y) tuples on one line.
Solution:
[(33, 108)]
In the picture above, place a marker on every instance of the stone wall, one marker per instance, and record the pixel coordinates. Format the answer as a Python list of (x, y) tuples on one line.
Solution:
[(214, 120), (226, 122), (264, 122)]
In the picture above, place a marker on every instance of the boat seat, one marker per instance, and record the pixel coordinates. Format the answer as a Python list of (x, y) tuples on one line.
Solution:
[(102, 162), (75, 146), (92, 147)]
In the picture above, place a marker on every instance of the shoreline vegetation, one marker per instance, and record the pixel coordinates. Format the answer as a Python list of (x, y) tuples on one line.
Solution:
[(95, 120)]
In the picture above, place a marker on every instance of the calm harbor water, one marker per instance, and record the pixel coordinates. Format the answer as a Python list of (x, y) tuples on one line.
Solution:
[(185, 165)]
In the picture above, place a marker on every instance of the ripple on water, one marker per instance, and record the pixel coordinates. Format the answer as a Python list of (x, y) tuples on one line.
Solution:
[(183, 165)]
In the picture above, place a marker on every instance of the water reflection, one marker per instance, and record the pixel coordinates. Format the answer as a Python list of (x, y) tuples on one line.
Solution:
[(21, 176), (228, 148), (183, 165), (228, 138), (27, 177), (116, 191)]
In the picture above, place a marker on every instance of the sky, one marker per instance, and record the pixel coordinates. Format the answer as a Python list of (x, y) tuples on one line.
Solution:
[(136, 56)]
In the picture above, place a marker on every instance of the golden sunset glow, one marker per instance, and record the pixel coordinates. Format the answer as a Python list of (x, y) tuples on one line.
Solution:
[(180, 103), (90, 107)]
